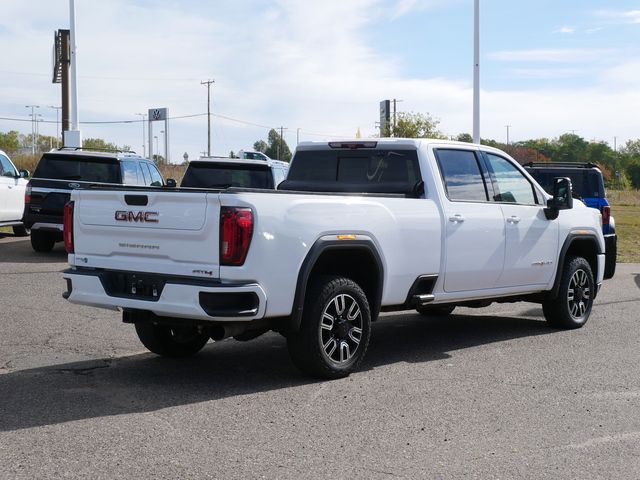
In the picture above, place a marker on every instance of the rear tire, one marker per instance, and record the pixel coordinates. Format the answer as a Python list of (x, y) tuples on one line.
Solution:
[(21, 231), (170, 341), (436, 310), (335, 329), (42, 241), (571, 308)]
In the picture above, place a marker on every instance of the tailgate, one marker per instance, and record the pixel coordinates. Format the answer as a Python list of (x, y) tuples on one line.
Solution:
[(166, 232)]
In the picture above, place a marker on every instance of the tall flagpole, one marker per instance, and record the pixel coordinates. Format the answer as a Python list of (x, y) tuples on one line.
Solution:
[(476, 72)]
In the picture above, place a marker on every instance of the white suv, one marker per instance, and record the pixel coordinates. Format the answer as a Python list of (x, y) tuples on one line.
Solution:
[(12, 187)]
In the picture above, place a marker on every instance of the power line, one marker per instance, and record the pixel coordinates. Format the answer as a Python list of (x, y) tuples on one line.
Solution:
[(178, 117)]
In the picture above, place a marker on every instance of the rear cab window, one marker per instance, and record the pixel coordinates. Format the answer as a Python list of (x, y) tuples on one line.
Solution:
[(78, 168), (223, 175), (380, 170)]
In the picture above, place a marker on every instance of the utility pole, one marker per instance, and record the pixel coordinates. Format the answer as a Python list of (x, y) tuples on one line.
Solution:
[(57, 123), (144, 143), (615, 144), (33, 127), (476, 71), (208, 84), (507, 127), (298, 135)]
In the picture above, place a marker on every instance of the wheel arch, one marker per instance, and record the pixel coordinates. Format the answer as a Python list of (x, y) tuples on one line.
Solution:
[(577, 244), (357, 259)]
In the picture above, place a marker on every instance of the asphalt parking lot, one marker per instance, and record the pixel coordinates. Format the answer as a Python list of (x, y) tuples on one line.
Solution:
[(489, 393)]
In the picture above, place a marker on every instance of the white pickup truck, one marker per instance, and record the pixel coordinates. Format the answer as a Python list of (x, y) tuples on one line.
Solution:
[(358, 227)]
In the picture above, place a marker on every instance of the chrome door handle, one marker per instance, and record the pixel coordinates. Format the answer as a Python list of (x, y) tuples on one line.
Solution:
[(513, 219), (457, 218)]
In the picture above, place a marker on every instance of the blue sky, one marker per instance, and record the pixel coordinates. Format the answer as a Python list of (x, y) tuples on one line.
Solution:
[(322, 67)]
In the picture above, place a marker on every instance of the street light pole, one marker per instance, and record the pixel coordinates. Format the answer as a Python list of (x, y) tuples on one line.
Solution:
[(144, 143), (476, 71), (33, 128), (57, 123), (507, 127)]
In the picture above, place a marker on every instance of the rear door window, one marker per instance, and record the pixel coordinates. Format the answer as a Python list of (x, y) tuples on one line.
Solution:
[(131, 173), (78, 167), (146, 174), (462, 176)]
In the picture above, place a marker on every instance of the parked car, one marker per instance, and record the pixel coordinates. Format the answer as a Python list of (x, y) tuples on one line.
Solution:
[(60, 171), (12, 187), (252, 155), (587, 184), (222, 172), (358, 227)]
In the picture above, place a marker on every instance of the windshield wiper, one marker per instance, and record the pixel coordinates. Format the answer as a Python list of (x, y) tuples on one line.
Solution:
[(219, 185)]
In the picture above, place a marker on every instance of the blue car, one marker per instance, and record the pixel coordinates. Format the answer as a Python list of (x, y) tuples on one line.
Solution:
[(588, 186)]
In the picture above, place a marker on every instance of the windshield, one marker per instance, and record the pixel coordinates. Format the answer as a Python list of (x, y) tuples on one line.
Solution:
[(212, 175), (79, 168)]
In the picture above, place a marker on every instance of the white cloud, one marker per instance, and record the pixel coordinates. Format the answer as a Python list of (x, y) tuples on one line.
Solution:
[(566, 30), (563, 55), (625, 16)]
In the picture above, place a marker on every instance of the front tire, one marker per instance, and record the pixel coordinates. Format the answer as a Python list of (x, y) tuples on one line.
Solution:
[(42, 241), (335, 329), (572, 307), (170, 341), (21, 231)]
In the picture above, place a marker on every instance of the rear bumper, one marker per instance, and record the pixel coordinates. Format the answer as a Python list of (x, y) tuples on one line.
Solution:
[(611, 252), (179, 298), (32, 220)]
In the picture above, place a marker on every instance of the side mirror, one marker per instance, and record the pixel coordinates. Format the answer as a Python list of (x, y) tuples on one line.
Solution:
[(24, 174), (562, 198), (171, 183)]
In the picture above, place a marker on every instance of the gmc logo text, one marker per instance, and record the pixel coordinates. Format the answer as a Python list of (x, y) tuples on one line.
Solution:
[(129, 216)]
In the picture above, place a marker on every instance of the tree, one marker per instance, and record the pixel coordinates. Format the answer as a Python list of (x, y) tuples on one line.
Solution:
[(10, 141), (633, 172), (271, 148), (260, 146), (464, 137), (570, 148), (100, 144), (414, 125)]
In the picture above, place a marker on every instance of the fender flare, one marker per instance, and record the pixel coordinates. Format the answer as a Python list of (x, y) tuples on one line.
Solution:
[(321, 246), (571, 238)]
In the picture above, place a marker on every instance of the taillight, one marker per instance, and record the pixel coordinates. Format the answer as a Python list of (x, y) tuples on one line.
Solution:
[(67, 227), (236, 229), (27, 195), (606, 214)]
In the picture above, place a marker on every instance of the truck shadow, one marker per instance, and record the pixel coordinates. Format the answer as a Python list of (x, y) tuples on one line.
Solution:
[(144, 382), (18, 250)]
